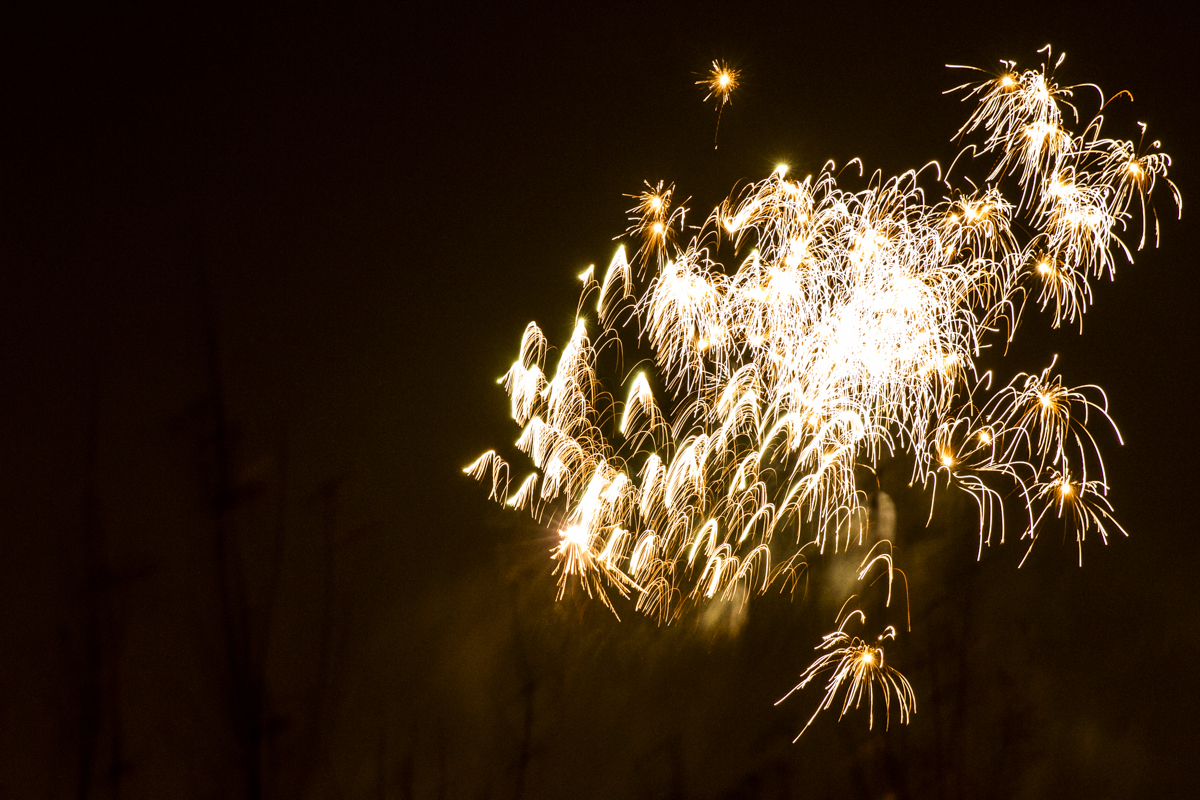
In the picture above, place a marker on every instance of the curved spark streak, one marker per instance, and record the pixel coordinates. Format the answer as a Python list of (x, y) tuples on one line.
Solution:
[(859, 667)]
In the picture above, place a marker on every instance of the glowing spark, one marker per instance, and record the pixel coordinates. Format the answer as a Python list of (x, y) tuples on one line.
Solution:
[(721, 81)]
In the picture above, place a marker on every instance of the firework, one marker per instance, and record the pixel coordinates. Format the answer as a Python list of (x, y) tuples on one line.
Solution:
[(720, 82), (848, 333), (859, 667)]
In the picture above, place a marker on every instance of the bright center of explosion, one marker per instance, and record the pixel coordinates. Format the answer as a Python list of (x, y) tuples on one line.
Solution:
[(575, 535)]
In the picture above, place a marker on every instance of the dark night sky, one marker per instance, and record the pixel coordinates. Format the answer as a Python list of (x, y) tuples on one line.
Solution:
[(259, 274)]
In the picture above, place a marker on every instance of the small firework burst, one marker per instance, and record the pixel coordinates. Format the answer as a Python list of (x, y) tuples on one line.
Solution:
[(721, 81), (858, 667)]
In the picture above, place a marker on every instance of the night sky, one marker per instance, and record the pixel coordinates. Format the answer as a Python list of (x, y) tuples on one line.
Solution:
[(259, 276)]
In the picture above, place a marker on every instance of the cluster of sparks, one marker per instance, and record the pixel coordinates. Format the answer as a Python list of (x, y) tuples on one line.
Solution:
[(720, 82), (847, 335), (859, 666)]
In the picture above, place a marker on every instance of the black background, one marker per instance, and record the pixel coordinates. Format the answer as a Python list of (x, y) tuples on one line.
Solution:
[(260, 273)]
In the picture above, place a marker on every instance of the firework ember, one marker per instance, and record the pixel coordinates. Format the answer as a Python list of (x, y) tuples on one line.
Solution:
[(720, 82)]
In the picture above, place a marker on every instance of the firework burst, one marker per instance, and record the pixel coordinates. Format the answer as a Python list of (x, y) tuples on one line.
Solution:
[(859, 668), (720, 82), (848, 333)]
